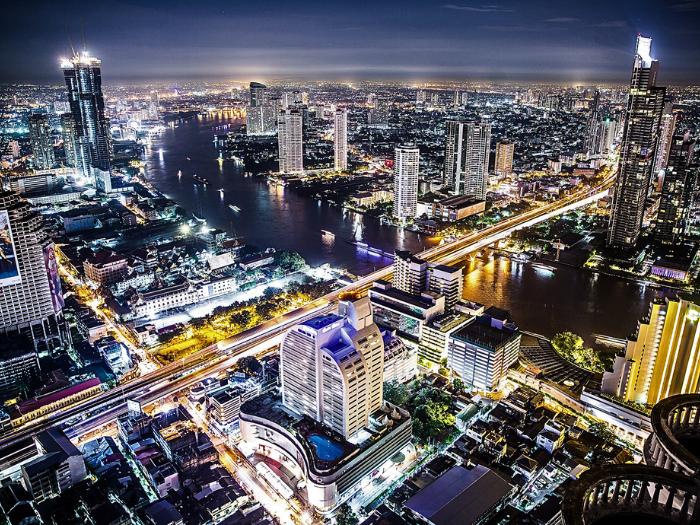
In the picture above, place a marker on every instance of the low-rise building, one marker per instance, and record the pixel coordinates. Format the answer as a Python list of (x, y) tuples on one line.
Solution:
[(60, 465), (105, 267)]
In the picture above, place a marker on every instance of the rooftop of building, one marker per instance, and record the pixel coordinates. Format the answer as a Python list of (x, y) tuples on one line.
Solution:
[(482, 333), (459, 496), (322, 321), (459, 200), (424, 300), (408, 256)]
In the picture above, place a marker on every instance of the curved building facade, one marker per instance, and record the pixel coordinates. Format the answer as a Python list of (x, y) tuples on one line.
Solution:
[(328, 465)]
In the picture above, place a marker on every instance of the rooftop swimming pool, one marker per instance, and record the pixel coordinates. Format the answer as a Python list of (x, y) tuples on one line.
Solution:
[(325, 448)]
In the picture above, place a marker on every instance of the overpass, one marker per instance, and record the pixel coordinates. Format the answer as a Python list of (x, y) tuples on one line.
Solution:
[(107, 406)]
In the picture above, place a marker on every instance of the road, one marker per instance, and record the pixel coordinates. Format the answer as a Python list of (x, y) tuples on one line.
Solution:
[(180, 374)]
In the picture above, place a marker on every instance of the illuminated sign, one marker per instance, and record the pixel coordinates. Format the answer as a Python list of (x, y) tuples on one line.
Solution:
[(9, 267), (51, 266)]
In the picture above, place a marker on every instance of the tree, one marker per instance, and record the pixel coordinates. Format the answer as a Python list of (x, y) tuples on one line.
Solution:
[(457, 384), (396, 393), (249, 365), (346, 516), (570, 346), (243, 318)]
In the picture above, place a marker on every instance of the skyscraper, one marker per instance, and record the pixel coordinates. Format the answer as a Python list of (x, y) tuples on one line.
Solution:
[(340, 139), (454, 156), (290, 141), (154, 105), (406, 169), (31, 300), (663, 357), (42, 141), (644, 107), (504, 158), (467, 147), (593, 123), (83, 78), (261, 114), (257, 94), (680, 180), (332, 368), (68, 134)]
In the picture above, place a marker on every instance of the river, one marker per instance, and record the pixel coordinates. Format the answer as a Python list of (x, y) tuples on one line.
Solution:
[(540, 300)]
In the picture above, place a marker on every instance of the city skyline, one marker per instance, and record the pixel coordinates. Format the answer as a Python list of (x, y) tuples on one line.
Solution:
[(438, 40)]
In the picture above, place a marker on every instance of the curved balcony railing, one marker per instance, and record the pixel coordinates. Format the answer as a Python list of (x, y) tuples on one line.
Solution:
[(674, 420), (632, 490)]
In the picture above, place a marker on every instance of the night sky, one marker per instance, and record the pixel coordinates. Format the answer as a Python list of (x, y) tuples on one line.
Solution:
[(571, 41)]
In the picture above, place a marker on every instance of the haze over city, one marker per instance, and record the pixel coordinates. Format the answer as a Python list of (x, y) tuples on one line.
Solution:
[(509, 40)]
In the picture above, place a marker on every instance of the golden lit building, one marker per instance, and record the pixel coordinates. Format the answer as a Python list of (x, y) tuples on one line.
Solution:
[(504, 158), (663, 358)]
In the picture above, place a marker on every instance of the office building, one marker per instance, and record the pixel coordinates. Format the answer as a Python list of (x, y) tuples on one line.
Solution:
[(69, 137), (482, 351), (31, 300), (663, 357), (19, 365), (290, 141), (404, 312), (340, 139), (644, 108), (406, 170), (83, 78), (467, 148), (446, 281), (504, 158), (680, 181), (41, 140), (332, 368), (435, 338), (410, 272), (59, 466)]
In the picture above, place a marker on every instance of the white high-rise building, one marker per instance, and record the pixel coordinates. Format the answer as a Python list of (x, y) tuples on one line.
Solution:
[(332, 368), (31, 300), (406, 169), (290, 141), (340, 139), (477, 145)]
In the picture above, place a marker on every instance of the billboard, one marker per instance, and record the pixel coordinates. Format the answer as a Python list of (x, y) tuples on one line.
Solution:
[(51, 265), (9, 268)]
